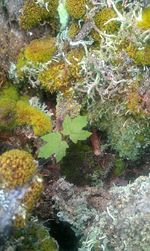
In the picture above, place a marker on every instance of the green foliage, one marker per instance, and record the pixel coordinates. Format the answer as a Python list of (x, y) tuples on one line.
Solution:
[(73, 128), (34, 236), (119, 167), (56, 145)]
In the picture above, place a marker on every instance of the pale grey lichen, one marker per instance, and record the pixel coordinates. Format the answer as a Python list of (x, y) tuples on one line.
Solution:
[(10, 205), (124, 224)]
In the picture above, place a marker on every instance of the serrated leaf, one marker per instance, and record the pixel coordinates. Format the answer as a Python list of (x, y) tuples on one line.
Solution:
[(54, 146), (73, 128)]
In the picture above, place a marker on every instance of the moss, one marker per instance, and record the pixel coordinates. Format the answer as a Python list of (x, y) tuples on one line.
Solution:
[(40, 50), (16, 168), (102, 17), (9, 91), (73, 30), (7, 114), (128, 134), (67, 105), (32, 14), (33, 193), (139, 56), (28, 115), (134, 102), (21, 62), (35, 237), (8, 98), (144, 23), (119, 166), (55, 78), (60, 75), (81, 167), (75, 56), (76, 8)]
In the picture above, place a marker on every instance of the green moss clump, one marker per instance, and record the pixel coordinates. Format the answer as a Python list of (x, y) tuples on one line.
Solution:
[(60, 76), (73, 30), (129, 135), (55, 78), (40, 50), (28, 115), (32, 13), (16, 167), (144, 23), (119, 166), (35, 237), (139, 56), (8, 98), (76, 8), (102, 17)]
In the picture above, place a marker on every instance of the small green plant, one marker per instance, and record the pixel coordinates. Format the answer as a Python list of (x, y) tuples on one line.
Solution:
[(57, 142)]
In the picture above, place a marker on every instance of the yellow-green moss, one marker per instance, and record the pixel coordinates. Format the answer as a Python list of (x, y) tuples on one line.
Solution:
[(139, 56), (8, 99), (102, 17), (16, 168), (76, 8), (60, 75), (33, 193), (144, 23), (73, 30), (28, 115), (7, 114), (55, 78), (40, 50), (74, 56), (32, 14), (10, 92), (21, 62)]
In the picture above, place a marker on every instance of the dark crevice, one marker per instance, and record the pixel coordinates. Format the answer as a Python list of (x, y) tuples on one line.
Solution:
[(63, 234)]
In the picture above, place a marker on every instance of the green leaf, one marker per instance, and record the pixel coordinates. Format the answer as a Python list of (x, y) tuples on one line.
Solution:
[(73, 128), (54, 146)]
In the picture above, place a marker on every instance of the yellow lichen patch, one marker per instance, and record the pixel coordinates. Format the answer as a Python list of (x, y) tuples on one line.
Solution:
[(144, 21), (16, 168), (28, 115), (40, 50), (33, 193), (76, 8), (102, 17), (32, 13)]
